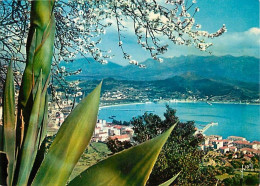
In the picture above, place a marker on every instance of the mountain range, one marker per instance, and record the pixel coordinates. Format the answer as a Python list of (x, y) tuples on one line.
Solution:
[(226, 68), (225, 78)]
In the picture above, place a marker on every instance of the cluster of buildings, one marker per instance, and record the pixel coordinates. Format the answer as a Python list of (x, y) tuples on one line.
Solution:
[(124, 94), (105, 130), (113, 95), (231, 144)]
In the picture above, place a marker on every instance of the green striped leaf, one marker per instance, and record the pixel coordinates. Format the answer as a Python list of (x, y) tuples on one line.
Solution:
[(43, 132), (170, 181), (42, 143), (70, 142), (30, 144), (129, 167), (9, 123)]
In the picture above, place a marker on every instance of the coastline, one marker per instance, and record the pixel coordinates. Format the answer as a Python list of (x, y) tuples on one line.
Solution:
[(175, 101), (121, 104)]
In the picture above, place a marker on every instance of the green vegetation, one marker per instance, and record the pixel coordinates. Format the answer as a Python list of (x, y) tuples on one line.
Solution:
[(180, 153), (248, 179), (114, 145), (227, 169), (128, 167)]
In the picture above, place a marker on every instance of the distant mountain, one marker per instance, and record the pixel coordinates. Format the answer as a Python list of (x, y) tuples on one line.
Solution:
[(244, 69), (226, 68), (209, 87)]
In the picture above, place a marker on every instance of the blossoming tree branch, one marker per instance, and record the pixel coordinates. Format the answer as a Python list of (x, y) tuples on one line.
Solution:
[(81, 24)]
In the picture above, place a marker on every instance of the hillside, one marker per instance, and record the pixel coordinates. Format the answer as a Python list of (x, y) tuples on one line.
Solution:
[(178, 87)]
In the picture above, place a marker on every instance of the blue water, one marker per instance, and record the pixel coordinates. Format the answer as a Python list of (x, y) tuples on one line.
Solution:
[(233, 119)]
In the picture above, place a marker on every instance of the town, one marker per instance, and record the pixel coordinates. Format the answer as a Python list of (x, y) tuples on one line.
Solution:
[(60, 109), (105, 130)]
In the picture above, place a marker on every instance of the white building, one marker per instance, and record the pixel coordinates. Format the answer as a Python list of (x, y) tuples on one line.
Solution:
[(257, 145), (217, 143), (224, 149), (244, 144), (102, 136)]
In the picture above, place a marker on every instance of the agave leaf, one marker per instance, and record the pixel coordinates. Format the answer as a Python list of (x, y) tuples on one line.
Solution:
[(70, 142), (129, 167), (43, 116), (39, 51), (42, 142), (43, 132), (30, 144), (3, 168), (9, 123), (38, 160), (170, 181)]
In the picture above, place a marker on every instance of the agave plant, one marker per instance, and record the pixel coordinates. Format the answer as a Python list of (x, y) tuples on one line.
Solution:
[(22, 136)]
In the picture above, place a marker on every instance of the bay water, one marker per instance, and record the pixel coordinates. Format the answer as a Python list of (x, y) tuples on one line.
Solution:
[(233, 119)]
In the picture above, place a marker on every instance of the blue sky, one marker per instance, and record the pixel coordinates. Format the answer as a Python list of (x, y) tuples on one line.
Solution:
[(241, 18)]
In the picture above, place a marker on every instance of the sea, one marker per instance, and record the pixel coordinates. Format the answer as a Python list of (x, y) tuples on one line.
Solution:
[(233, 119)]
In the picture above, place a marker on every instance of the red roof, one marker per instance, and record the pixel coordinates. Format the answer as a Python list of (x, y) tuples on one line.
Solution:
[(232, 147), (241, 142), (119, 136), (256, 142), (250, 150), (117, 126), (236, 137)]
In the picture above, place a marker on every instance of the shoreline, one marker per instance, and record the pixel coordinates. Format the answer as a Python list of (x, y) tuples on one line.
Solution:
[(121, 104), (175, 101)]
